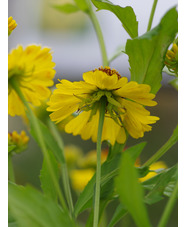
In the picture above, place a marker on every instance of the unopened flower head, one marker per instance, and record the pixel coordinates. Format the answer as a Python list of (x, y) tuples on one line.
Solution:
[(171, 59), (32, 68), (11, 25), (19, 141), (125, 103)]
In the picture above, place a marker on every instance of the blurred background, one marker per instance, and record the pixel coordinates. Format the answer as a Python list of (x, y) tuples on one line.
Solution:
[(76, 50)]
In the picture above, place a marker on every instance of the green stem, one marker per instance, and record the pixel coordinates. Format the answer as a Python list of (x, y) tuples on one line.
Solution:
[(168, 209), (64, 170), (99, 36), (11, 169), (152, 15), (41, 141), (172, 140), (98, 170)]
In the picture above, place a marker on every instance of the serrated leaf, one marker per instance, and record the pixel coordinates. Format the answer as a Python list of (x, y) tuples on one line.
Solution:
[(30, 208), (131, 192), (45, 177), (66, 8), (125, 14), (146, 53), (118, 214), (161, 185)]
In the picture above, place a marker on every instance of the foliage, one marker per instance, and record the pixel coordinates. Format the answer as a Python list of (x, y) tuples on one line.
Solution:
[(117, 176)]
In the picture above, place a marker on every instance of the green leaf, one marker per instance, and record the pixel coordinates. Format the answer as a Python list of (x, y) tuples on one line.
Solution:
[(83, 5), (108, 171), (30, 208), (125, 15), (135, 151), (162, 185), (118, 214), (131, 192), (11, 148), (45, 177), (11, 220), (147, 52), (49, 140), (66, 8)]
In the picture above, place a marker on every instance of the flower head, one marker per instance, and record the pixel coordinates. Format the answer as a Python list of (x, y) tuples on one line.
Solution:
[(171, 59), (19, 141), (11, 25), (125, 103), (32, 68)]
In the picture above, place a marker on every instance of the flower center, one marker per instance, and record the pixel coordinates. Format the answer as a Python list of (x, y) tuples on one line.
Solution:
[(108, 71)]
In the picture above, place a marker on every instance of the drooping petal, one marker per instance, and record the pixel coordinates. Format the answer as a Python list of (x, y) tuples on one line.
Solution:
[(137, 92)]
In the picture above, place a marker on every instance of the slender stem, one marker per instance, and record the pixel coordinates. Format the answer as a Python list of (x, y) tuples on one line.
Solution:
[(64, 170), (168, 209), (11, 169), (99, 36), (41, 141), (172, 140), (152, 15), (98, 170)]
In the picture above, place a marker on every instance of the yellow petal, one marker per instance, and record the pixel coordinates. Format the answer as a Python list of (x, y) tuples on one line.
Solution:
[(100, 79)]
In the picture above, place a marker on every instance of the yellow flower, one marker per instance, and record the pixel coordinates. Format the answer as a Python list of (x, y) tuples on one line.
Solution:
[(20, 141), (171, 59), (124, 108), (32, 68), (155, 166), (11, 25), (80, 178)]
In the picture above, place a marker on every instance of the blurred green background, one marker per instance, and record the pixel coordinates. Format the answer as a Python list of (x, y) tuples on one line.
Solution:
[(76, 50)]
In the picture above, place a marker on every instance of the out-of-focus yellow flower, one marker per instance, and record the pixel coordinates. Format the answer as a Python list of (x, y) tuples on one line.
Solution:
[(90, 159), (32, 68), (171, 59), (20, 141), (125, 103), (155, 166), (72, 155), (11, 25), (80, 178)]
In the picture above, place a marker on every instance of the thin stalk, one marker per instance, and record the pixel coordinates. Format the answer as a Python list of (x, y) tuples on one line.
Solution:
[(11, 169), (64, 170), (152, 15), (98, 169), (172, 140), (41, 142), (169, 207), (99, 36)]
